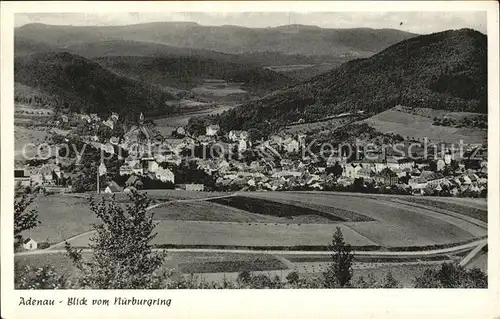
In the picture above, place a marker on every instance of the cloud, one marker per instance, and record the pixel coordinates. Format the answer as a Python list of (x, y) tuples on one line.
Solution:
[(417, 22)]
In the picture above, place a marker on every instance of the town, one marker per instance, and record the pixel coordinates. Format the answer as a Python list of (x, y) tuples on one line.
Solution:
[(232, 161)]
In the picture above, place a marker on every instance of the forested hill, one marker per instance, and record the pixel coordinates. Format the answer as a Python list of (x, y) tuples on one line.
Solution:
[(83, 85), (445, 70), (189, 71)]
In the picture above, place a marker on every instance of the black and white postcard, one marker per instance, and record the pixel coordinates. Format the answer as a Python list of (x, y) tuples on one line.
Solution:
[(255, 159)]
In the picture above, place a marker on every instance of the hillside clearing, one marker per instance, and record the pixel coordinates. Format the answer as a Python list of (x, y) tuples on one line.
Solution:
[(420, 127)]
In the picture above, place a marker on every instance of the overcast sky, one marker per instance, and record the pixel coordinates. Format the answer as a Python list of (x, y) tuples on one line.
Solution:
[(417, 22)]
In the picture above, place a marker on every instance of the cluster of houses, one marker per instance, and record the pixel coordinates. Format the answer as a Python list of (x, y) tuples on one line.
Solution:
[(276, 168), (48, 176)]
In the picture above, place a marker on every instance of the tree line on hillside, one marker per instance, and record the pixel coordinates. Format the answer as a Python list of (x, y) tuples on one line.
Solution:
[(479, 121), (131, 229), (85, 87), (446, 70), (186, 72)]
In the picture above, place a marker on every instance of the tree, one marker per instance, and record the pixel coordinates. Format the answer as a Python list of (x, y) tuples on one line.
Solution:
[(244, 277), (24, 219), (433, 166), (336, 169), (390, 281), (261, 282), (451, 275), (340, 271), (122, 256)]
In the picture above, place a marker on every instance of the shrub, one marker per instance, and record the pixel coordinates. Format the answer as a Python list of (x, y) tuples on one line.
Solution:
[(43, 245), (45, 277), (122, 256), (452, 276), (293, 277), (244, 277), (340, 272)]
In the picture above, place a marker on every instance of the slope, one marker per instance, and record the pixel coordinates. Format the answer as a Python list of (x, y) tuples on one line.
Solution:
[(293, 39), (83, 85), (446, 70), (186, 72)]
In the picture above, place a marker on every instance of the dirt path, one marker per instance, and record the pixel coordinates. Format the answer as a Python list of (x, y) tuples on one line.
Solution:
[(292, 252)]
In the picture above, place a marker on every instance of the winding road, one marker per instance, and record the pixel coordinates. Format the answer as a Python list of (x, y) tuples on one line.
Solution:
[(442, 251)]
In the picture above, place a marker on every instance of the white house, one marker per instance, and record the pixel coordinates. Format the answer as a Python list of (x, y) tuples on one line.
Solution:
[(447, 159), (417, 183), (242, 145), (152, 166), (165, 175), (212, 130), (391, 163), (302, 140), (440, 164), (351, 170), (109, 123), (291, 145), (406, 163), (30, 244), (224, 166), (237, 135), (192, 187), (180, 131)]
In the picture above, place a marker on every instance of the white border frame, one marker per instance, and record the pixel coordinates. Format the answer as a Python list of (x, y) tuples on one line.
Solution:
[(406, 303)]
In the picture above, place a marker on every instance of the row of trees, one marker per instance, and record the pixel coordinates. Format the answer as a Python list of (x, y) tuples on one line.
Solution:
[(479, 121)]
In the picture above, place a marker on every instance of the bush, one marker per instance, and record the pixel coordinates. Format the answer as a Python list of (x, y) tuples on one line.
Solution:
[(452, 276), (244, 277), (45, 277), (293, 277), (261, 282), (43, 245)]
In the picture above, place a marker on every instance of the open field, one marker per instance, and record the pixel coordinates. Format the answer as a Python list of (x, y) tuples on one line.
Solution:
[(262, 219), (160, 195), (365, 259), (478, 203), (432, 113), (24, 136), (61, 217), (184, 262), (166, 125), (217, 266), (417, 126), (288, 68), (290, 209), (475, 213), (397, 225), (320, 126), (219, 89), (207, 211), (177, 194), (202, 233), (66, 215)]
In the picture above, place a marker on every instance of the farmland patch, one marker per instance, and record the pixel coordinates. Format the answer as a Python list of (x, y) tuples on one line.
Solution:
[(419, 127), (289, 209), (476, 213), (223, 234)]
